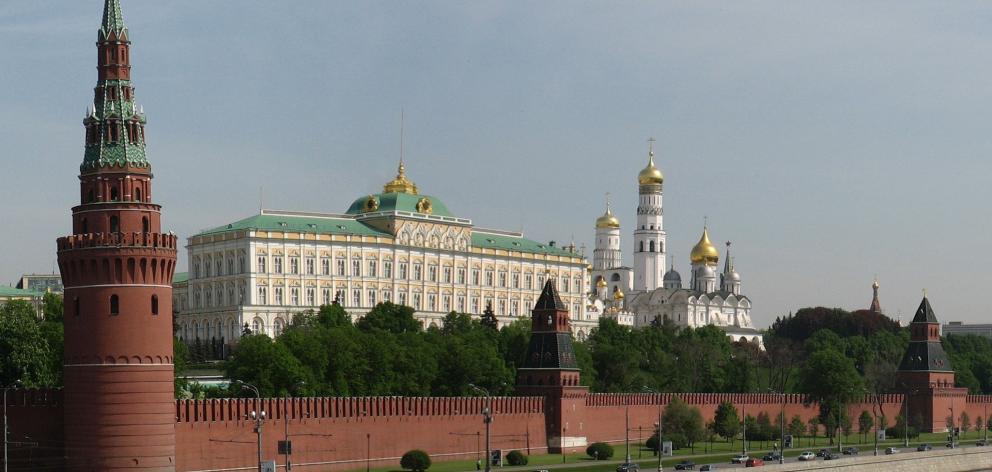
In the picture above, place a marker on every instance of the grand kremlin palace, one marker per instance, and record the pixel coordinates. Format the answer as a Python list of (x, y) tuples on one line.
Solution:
[(396, 246)]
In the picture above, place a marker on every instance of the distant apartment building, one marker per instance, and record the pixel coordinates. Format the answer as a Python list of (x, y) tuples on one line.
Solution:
[(41, 283), (961, 329)]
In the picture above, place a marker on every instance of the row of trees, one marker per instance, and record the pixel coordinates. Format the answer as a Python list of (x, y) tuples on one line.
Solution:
[(32, 346)]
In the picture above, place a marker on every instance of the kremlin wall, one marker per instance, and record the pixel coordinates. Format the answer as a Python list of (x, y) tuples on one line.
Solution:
[(117, 410)]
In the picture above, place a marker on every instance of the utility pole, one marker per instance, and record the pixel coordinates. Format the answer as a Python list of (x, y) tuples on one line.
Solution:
[(626, 440), (257, 417), (743, 430)]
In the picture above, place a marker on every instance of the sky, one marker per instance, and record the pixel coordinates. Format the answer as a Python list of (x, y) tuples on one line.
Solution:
[(831, 142)]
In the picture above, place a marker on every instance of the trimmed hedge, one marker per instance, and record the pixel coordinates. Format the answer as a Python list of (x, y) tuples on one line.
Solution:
[(600, 451), (416, 460), (516, 458)]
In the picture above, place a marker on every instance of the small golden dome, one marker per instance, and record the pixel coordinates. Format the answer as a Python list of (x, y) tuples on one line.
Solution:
[(617, 294), (704, 251), (607, 220), (400, 184), (651, 175), (601, 283)]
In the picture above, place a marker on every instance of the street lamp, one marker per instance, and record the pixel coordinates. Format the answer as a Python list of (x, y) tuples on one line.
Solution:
[(658, 445), (5, 429), (257, 417), (781, 450), (951, 426), (487, 418), (285, 417)]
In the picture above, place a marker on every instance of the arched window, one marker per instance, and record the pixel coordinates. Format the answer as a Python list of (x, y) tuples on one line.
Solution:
[(652, 246), (115, 225), (90, 198), (75, 306), (85, 227), (144, 225), (615, 277), (115, 305), (154, 304), (642, 247), (113, 194), (137, 195)]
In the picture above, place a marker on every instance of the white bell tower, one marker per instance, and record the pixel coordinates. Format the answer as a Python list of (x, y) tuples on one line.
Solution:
[(649, 235)]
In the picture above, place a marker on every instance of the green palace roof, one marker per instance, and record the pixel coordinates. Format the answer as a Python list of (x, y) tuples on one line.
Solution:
[(398, 202), (299, 223), (180, 277), (11, 292), (516, 243)]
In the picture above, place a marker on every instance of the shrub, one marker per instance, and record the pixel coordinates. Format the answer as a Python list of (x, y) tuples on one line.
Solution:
[(600, 451), (415, 460), (516, 458)]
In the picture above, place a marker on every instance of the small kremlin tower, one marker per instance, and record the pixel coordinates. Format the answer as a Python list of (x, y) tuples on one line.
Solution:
[(117, 268), (551, 370)]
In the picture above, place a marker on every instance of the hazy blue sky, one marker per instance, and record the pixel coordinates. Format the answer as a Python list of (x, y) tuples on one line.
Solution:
[(830, 141)]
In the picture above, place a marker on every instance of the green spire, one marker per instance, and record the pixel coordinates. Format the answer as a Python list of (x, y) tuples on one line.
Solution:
[(113, 19)]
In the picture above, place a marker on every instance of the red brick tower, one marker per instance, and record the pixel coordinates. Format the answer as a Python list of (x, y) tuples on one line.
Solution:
[(551, 371), (927, 376), (117, 269)]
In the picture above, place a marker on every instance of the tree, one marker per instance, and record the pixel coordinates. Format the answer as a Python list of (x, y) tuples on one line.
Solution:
[(726, 421), (266, 364), (797, 428), (389, 317), (965, 422), (52, 309), (830, 379), (764, 431), (681, 420), (416, 460), (600, 451), (979, 424), (814, 427), (865, 423), (27, 355), (489, 317), (516, 458)]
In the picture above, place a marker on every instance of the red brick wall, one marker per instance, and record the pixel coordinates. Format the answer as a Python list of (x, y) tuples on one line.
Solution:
[(35, 422)]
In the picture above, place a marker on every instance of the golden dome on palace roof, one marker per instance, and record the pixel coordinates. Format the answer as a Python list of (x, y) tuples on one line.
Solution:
[(601, 283), (617, 295), (704, 251), (650, 175), (400, 184)]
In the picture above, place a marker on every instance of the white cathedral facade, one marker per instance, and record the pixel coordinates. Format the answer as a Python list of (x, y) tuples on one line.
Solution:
[(648, 293)]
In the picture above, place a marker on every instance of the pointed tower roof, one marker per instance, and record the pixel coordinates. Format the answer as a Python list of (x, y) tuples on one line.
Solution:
[(925, 314), (113, 19), (876, 306), (549, 299)]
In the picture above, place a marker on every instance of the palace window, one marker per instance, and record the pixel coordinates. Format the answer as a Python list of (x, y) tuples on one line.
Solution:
[(416, 301), (356, 268), (387, 269), (325, 296), (294, 266), (310, 266), (339, 296), (261, 264), (220, 265), (402, 298), (529, 282), (447, 275), (461, 275), (489, 278), (262, 296), (461, 303), (209, 297), (294, 295), (277, 264), (515, 280), (387, 296), (475, 276), (356, 297), (651, 246), (278, 299), (402, 273), (514, 307), (502, 279), (373, 270), (431, 302), (230, 265), (475, 305), (564, 283), (371, 297), (432, 273), (325, 266), (241, 264), (446, 303), (418, 271), (577, 284), (502, 308), (311, 296)]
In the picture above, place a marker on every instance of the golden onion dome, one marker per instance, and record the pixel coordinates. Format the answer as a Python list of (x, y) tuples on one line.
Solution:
[(651, 175), (607, 220), (617, 295), (704, 251), (601, 283), (400, 184)]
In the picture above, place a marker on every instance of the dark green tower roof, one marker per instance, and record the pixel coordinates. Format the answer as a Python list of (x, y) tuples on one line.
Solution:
[(925, 353), (924, 314), (113, 19), (549, 299)]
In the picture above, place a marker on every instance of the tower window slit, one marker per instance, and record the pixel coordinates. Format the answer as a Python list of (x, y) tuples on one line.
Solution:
[(154, 304), (115, 305)]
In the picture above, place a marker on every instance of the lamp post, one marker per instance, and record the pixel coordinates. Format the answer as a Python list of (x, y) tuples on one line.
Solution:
[(368, 452), (986, 420), (951, 426), (743, 430), (626, 437), (658, 445), (257, 417), (781, 451), (487, 418), (5, 428)]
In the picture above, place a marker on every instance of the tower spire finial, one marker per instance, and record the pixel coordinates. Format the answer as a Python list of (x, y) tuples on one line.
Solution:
[(402, 126), (651, 149), (113, 18)]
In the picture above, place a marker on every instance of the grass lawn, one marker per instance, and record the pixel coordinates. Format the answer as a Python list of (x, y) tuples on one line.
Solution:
[(717, 452)]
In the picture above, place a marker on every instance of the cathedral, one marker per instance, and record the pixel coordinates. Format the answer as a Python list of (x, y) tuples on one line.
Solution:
[(648, 293)]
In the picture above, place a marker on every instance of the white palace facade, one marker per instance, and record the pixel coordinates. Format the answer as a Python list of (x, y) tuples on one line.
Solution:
[(396, 246)]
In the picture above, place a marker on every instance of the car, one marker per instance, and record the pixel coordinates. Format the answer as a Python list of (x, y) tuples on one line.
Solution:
[(851, 451), (982, 443), (807, 456), (831, 456), (771, 456), (923, 447), (628, 467), (739, 459), (754, 462), (685, 465), (891, 450), (707, 467), (822, 452)]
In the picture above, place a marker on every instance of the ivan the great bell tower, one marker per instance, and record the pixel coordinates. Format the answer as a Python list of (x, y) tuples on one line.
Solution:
[(117, 268)]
